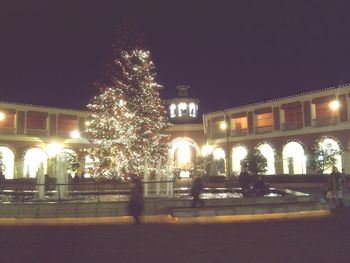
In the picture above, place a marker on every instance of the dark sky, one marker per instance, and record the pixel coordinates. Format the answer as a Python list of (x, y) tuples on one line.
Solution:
[(229, 52)]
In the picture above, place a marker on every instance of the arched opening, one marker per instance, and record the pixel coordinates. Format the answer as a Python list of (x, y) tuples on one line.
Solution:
[(238, 154), (172, 111), (192, 109), (267, 151), (32, 160), (88, 167), (7, 159), (71, 159), (182, 109), (294, 161), (329, 146), (220, 158), (184, 153)]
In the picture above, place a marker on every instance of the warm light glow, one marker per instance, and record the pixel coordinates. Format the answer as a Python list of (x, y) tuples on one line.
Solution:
[(172, 110), (223, 125), (267, 151), (8, 162), (294, 161), (75, 134), (219, 154), (334, 105), (32, 160), (327, 144), (238, 154), (206, 150), (192, 109), (184, 153), (182, 107), (2, 116), (185, 174), (53, 149)]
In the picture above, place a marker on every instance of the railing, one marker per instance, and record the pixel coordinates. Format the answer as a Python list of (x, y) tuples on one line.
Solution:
[(63, 133), (264, 129), (6, 130), (36, 132), (28, 191), (218, 135), (239, 132), (321, 122), (296, 125)]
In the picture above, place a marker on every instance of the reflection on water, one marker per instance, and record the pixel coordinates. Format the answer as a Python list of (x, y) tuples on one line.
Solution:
[(222, 193)]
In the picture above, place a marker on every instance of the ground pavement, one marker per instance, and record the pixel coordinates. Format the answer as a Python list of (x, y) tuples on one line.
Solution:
[(318, 240)]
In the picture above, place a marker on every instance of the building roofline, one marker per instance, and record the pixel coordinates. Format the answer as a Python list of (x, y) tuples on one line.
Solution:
[(281, 98), (43, 106)]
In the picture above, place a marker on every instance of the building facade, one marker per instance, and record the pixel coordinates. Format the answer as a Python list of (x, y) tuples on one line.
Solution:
[(33, 135), (285, 131)]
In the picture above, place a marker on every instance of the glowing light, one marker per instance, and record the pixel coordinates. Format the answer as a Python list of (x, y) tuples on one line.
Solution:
[(184, 153), (219, 154), (32, 160), (172, 110), (267, 151), (8, 162), (122, 102), (182, 108), (328, 144), (238, 154), (75, 134), (2, 116), (53, 149), (185, 174), (334, 105), (206, 150), (294, 161), (223, 125), (87, 123)]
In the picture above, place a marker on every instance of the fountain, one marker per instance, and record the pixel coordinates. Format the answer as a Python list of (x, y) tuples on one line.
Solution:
[(60, 172), (40, 181)]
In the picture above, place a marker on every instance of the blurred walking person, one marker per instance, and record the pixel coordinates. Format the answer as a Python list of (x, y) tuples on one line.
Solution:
[(136, 201), (335, 184), (196, 190)]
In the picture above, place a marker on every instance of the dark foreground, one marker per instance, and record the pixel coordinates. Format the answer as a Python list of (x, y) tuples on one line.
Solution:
[(303, 240)]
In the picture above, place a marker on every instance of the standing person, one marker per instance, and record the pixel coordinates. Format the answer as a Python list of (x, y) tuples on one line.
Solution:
[(196, 190), (136, 202), (335, 185)]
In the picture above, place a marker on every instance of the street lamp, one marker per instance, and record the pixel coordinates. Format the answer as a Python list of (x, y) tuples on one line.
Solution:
[(223, 125), (334, 105), (75, 134)]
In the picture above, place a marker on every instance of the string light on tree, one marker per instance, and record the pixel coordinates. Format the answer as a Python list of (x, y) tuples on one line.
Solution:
[(127, 126)]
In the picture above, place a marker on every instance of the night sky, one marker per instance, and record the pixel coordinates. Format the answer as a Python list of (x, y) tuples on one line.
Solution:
[(230, 52)]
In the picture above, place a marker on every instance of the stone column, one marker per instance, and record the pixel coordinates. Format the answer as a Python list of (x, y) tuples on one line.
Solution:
[(345, 159), (278, 162)]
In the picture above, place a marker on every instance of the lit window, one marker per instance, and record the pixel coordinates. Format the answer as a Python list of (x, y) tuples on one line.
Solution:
[(172, 111), (192, 109), (182, 107)]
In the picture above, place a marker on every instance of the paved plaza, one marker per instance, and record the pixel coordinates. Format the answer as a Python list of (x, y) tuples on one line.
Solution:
[(303, 240)]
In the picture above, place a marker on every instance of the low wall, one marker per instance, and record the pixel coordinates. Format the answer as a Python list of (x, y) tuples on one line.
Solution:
[(108, 209)]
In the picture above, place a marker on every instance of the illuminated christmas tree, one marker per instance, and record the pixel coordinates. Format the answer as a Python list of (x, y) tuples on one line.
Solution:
[(126, 128)]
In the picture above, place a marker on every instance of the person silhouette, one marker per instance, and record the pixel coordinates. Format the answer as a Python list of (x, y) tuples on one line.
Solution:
[(196, 190), (136, 201)]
